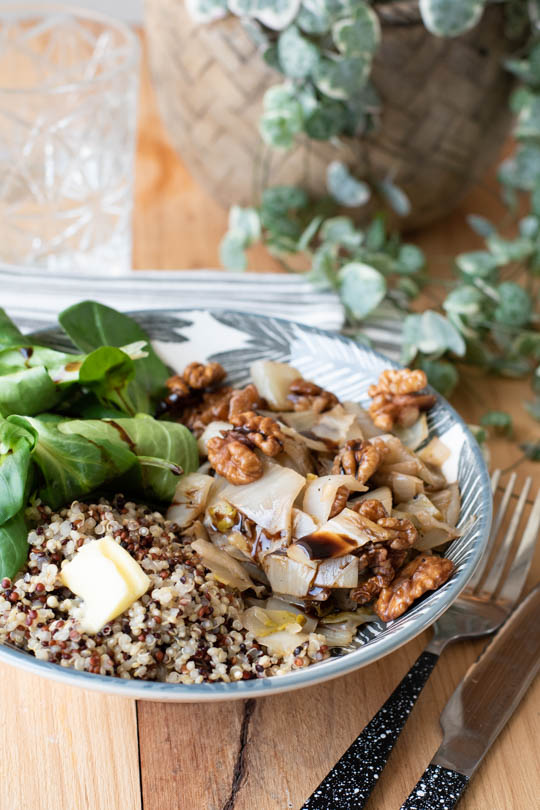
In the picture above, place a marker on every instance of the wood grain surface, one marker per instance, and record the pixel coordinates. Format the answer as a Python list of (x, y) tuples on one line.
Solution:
[(64, 749)]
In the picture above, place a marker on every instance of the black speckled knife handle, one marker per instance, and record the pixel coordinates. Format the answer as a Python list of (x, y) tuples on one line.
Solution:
[(353, 777), (438, 789)]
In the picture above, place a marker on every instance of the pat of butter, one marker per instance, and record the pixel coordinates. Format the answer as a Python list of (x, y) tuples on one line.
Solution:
[(107, 578)]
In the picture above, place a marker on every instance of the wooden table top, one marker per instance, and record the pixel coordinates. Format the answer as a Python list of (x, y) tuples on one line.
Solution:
[(67, 749)]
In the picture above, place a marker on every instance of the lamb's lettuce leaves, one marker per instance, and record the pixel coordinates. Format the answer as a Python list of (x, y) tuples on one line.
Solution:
[(16, 447), (13, 545), (10, 335), (91, 325), (70, 466), (74, 457), (163, 450), (27, 391)]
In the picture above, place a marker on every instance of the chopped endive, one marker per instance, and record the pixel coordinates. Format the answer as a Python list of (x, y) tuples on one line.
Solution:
[(222, 565), (189, 498), (272, 380), (107, 579), (263, 622), (280, 631), (320, 494)]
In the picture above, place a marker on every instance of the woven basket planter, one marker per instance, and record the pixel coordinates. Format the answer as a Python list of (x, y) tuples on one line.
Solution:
[(445, 108)]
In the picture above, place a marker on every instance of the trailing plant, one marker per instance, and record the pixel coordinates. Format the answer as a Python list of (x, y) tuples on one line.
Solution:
[(323, 50), (488, 314)]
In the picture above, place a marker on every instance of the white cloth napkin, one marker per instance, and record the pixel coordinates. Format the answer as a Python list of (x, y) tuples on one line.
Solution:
[(33, 298)]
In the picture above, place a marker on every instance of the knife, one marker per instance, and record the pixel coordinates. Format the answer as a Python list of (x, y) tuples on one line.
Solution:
[(480, 707)]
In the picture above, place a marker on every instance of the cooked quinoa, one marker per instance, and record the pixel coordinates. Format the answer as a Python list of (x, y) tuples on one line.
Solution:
[(185, 629)]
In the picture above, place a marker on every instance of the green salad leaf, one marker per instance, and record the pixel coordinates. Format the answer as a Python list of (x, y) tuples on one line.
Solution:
[(157, 439), (70, 466), (143, 456), (27, 391), (91, 325), (106, 372), (16, 447), (10, 335), (13, 545), (162, 449)]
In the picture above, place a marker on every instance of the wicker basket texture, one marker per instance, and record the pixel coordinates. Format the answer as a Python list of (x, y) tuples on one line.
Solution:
[(445, 109)]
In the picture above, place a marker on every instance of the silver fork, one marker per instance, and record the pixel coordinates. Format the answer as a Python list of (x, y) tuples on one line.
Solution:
[(478, 611)]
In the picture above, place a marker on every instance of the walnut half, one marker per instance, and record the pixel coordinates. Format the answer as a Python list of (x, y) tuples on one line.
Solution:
[(261, 431), (233, 458), (358, 458), (308, 396), (396, 398), (424, 573), (203, 375)]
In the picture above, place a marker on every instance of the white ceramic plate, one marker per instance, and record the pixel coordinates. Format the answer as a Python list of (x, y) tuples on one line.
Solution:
[(340, 365)]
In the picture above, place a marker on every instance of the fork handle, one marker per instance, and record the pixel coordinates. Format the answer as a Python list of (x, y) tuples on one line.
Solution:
[(350, 782)]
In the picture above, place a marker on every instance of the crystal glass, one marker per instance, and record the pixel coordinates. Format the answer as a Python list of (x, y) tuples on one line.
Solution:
[(68, 101)]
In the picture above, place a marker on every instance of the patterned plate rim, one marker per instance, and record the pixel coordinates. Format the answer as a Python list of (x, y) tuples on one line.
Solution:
[(310, 676)]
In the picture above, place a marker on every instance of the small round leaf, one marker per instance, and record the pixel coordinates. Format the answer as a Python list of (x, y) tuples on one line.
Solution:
[(245, 221), (279, 127), (358, 35), (481, 225), (277, 14), (515, 305), (278, 200), (231, 251), (315, 20), (298, 56), (345, 188), (341, 231), (449, 18), (410, 259), (340, 77), (396, 197), (437, 335), (362, 288), (328, 119), (477, 263)]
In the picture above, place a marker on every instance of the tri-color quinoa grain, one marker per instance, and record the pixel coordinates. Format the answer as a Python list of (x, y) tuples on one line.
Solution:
[(185, 629)]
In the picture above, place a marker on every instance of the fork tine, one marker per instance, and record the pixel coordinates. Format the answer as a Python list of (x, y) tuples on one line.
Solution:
[(494, 575), (515, 580), (504, 503), (477, 576), (495, 478)]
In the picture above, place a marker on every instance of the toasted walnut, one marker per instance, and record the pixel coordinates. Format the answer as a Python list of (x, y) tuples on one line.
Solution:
[(212, 406), (188, 399), (340, 500), (424, 573), (307, 396), (398, 558), (372, 509), (376, 557), (399, 381), (358, 458), (405, 532), (396, 399), (369, 589), (200, 375), (177, 385), (404, 410), (233, 459), (262, 431), (245, 399)]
